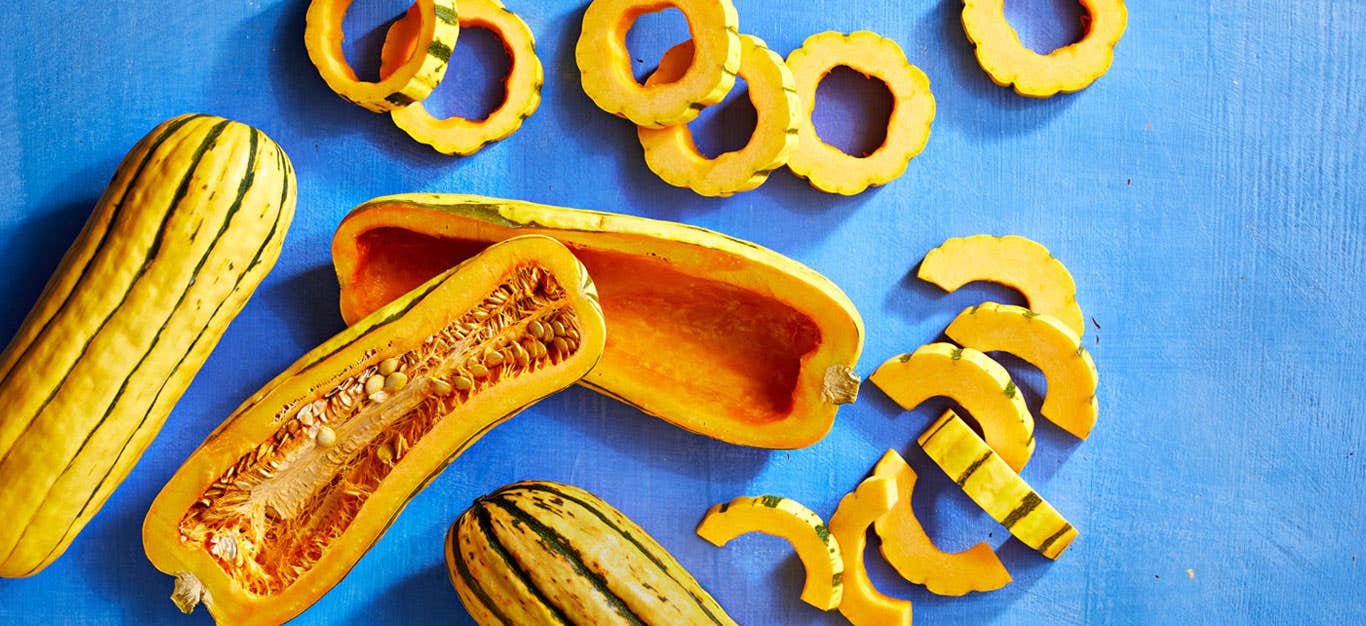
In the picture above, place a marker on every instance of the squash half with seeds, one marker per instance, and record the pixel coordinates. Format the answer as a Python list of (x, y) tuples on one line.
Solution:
[(717, 335), (283, 499)]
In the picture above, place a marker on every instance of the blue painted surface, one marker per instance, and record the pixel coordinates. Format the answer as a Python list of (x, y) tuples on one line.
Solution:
[(1205, 194)]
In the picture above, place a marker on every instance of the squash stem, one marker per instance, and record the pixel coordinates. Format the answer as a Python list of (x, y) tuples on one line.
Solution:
[(841, 385), (188, 592)]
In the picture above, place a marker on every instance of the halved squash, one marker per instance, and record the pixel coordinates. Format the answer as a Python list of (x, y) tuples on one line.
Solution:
[(1046, 343), (970, 378), (292, 489), (913, 555), (863, 604), (1013, 261), (1069, 68), (672, 154), (717, 335), (786, 518), (994, 486)]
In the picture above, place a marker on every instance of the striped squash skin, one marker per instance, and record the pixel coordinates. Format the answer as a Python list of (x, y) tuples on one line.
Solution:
[(191, 222), (539, 552)]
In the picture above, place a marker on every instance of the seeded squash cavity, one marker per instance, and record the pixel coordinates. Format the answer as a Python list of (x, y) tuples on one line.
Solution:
[(283, 498)]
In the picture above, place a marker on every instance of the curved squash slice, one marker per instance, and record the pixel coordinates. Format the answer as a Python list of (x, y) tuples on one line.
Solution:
[(1013, 261), (717, 335), (911, 552), (283, 498), (411, 82), (788, 519), (605, 64), (1048, 344), (1067, 69), (973, 380), (828, 168), (457, 135), (994, 486), (671, 153), (863, 604)]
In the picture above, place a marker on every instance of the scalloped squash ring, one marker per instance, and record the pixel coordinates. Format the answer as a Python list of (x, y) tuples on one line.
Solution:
[(410, 83), (1070, 68), (908, 128), (605, 64), (671, 153), (457, 135)]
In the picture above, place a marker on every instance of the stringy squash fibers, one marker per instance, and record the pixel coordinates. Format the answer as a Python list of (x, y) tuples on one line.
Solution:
[(283, 498), (717, 335), (188, 227)]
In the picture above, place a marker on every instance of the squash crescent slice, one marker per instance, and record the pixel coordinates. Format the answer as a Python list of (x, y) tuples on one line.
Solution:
[(411, 82), (1013, 261), (671, 153), (863, 604), (828, 168), (782, 517), (994, 486), (1048, 344), (605, 63), (912, 554), (458, 135), (1069, 68), (975, 381)]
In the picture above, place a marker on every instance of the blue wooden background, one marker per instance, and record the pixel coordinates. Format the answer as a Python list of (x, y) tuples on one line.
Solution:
[(1206, 195)]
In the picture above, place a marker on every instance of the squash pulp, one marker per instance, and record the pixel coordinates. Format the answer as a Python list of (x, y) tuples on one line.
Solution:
[(716, 335)]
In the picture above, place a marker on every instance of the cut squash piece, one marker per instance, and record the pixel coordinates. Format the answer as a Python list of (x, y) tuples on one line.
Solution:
[(912, 554), (671, 153), (970, 378), (605, 64), (411, 82), (1044, 342), (828, 168), (788, 519), (863, 604), (994, 486), (1069, 68), (1013, 261), (720, 336), (458, 135)]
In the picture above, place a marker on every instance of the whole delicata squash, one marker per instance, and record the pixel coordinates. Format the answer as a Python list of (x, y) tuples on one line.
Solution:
[(717, 335), (190, 224), (283, 498)]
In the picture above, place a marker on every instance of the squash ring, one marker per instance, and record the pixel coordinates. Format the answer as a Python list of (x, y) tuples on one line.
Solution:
[(1069, 68), (908, 129), (671, 153), (458, 135), (605, 64), (410, 83)]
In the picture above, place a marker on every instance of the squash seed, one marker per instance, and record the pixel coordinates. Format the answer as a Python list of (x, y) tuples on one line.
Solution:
[(461, 383), (385, 454), (388, 366), (395, 381), (326, 437), (558, 327), (374, 384), (535, 329), (561, 346), (478, 371), (493, 359), (441, 387)]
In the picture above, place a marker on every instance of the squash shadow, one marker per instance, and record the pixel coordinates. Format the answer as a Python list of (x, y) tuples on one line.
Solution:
[(32, 258), (308, 302), (416, 599)]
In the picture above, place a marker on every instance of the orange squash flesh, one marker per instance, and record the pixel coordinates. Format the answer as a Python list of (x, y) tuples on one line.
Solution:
[(293, 488), (912, 554), (718, 336), (863, 604)]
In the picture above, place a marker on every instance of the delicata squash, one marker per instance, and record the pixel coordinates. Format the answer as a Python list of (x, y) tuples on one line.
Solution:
[(717, 335), (188, 227), (1069, 68), (283, 498)]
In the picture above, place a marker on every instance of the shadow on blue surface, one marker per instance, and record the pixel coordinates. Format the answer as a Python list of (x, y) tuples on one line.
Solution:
[(311, 300), (47, 236), (439, 602)]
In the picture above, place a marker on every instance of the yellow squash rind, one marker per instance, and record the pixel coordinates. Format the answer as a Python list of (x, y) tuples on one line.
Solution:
[(605, 64), (672, 154), (863, 604), (782, 517), (828, 168), (1069, 68), (994, 486)]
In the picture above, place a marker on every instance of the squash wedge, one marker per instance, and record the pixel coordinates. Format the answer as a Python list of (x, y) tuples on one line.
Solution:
[(1044, 342), (1069, 68), (913, 555), (716, 335), (786, 518), (863, 604)]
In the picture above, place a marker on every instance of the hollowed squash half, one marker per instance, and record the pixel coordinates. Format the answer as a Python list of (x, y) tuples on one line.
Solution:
[(1069, 68), (720, 336), (458, 135), (671, 153), (411, 82), (828, 168), (605, 63), (292, 489)]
